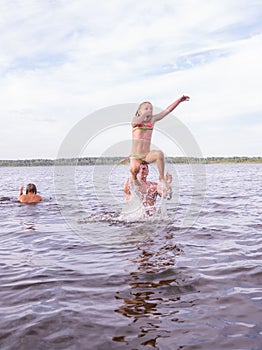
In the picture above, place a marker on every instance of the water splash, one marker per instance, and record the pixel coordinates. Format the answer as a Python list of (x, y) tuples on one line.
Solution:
[(133, 210), (136, 207)]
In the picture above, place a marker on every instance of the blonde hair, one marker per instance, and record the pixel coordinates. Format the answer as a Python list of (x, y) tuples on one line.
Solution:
[(141, 104)]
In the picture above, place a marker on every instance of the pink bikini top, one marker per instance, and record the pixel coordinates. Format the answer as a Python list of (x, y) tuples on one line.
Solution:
[(144, 126)]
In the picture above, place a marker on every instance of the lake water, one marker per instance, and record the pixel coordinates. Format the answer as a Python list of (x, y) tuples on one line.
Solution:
[(77, 273)]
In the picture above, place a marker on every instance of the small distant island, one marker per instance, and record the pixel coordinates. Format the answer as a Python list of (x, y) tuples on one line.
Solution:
[(120, 160)]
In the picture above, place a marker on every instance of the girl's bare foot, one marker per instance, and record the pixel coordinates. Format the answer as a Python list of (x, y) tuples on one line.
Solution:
[(165, 183), (167, 190)]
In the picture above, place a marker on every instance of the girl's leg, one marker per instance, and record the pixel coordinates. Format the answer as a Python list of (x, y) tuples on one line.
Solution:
[(134, 168), (158, 157)]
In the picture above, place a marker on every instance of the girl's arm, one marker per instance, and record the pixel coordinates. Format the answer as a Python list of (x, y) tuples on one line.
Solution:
[(138, 119), (21, 190), (170, 108), (20, 193)]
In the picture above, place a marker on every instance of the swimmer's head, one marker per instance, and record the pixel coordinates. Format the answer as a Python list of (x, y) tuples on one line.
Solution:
[(31, 188), (144, 107)]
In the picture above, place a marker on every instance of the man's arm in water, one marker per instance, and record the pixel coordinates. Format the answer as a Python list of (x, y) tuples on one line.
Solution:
[(127, 190)]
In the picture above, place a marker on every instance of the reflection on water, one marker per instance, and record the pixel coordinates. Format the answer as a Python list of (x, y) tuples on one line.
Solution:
[(153, 293)]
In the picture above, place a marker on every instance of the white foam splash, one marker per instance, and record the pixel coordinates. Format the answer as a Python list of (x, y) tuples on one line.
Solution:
[(136, 209)]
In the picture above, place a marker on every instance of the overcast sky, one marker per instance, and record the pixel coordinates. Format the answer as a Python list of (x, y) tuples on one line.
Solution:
[(62, 60)]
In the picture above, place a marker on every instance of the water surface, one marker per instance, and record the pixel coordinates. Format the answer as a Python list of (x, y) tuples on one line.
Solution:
[(104, 283)]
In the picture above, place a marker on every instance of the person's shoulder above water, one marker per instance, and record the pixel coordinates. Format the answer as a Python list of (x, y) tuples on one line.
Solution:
[(30, 196)]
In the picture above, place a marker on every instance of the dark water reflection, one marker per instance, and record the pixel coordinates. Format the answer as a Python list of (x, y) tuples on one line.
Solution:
[(150, 286), (153, 302)]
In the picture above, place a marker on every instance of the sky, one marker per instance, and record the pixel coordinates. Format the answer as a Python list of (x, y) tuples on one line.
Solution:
[(62, 61)]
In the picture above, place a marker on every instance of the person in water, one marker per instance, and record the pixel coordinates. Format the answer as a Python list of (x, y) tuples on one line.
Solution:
[(147, 190), (31, 195), (142, 129)]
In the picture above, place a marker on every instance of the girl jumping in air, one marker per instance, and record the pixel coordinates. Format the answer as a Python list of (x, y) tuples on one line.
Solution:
[(142, 129)]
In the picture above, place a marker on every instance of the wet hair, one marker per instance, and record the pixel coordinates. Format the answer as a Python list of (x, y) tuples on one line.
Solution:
[(143, 162), (141, 104), (31, 188)]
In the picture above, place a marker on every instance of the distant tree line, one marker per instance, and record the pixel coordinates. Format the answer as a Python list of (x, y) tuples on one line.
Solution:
[(217, 160), (119, 160)]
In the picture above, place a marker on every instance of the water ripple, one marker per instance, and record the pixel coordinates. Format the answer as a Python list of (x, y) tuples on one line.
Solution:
[(153, 285)]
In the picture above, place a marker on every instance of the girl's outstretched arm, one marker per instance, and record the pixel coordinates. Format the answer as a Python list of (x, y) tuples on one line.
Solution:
[(170, 108)]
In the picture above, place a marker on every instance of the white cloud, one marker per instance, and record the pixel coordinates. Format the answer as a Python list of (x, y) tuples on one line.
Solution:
[(63, 60)]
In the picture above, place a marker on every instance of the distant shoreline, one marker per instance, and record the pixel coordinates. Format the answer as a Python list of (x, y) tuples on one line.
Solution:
[(121, 160)]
